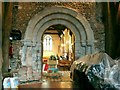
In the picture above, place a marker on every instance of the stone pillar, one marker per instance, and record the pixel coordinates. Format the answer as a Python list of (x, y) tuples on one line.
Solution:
[(91, 49), (90, 46), (88, 50), (26, 52), (39, 54), (83, 45), (23, 56), (26, 59), (31, 58), (82, 49), (79, 50), (36, 60), (34, 57)]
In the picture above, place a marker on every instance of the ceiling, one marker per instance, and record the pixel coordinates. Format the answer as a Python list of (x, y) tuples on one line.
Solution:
[(55, 29)]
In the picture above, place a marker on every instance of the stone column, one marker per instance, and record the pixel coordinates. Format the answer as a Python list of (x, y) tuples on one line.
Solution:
[(23, 56), (82, 49), (31, 58), (26, 52), (90, 47), (39, 58), (26, 58), (83, 45), (36, 60), (29, 62), (34, 56), (88, 50), (79, 49)]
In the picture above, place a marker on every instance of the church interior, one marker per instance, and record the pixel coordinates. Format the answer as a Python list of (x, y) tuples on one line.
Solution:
[(59, 44)]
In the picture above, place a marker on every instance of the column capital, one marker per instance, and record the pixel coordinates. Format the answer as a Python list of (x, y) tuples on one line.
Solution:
[(83, 44), (27, 42), (89, 43)]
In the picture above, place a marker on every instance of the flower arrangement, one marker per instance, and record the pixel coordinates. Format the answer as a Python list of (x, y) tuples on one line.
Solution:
[(52, 57)]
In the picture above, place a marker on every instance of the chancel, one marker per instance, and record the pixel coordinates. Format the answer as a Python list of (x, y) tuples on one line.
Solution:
[(60, 44)]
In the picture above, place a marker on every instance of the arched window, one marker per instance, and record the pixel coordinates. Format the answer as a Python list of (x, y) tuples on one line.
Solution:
[(47, 43)]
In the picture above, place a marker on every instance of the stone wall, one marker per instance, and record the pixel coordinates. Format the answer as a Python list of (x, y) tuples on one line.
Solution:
[(15, 62), (22, 14), (91, 11)]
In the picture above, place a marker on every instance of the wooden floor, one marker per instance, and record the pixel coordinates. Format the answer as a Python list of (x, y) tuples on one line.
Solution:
[(45, 83), (54, 85), (48, 84)]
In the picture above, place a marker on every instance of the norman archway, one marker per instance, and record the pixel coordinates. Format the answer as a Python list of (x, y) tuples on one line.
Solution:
[(84, 38)]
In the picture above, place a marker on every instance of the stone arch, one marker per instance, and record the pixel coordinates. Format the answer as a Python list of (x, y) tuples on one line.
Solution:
[(60, 13), (84, 38)]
